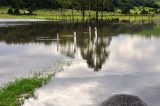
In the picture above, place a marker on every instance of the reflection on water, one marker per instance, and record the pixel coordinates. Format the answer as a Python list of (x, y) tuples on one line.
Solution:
[(93, 48), (107, 59), (14, 22)]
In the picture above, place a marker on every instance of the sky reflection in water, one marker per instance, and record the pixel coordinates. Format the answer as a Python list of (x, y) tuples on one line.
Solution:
[(122, 59), (132, 68)]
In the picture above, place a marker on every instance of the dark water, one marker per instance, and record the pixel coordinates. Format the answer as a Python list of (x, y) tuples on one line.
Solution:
[(117, 58)]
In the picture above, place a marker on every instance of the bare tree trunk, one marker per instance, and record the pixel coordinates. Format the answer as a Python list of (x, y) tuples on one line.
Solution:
[(72, 15), (97, 11), (102, 14), (90, 11), (62, 13), (83, 13), (102, 9)]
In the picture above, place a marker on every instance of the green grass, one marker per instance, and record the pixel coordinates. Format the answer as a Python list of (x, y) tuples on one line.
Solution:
[(158, 2), (14, 93), (79, 18), (56, 15)]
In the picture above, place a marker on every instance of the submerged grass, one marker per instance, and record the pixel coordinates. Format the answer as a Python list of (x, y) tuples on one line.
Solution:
[(14, 93)]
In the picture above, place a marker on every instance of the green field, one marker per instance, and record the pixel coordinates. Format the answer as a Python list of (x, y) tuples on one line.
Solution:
[(158, 2), (70, 15)]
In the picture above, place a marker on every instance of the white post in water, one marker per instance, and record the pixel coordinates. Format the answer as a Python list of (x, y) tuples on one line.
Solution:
[(75, 41), (57, 42)]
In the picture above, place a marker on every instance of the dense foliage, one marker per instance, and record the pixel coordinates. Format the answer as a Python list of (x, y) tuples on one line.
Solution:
[(35, 4), (108, 5)]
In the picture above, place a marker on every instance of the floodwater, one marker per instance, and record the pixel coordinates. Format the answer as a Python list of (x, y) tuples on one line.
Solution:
[(107, 60), (5, 22)]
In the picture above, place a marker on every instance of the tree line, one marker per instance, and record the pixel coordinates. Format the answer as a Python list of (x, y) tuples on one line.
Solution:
[(82, 5), (107, 5)]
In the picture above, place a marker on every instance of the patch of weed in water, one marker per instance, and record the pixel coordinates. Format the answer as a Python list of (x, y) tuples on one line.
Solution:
[(14, 93)]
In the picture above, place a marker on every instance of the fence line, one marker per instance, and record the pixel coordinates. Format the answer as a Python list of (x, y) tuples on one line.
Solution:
[(78, 18)]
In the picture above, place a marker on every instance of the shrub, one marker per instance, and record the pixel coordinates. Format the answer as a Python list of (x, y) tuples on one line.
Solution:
[(16, 12), (144, 12), (10, 11)]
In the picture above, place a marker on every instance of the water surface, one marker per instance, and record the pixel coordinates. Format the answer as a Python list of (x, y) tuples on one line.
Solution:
[(118, 58)]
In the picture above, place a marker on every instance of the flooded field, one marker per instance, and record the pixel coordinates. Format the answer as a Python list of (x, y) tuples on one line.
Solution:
[(106, 60)]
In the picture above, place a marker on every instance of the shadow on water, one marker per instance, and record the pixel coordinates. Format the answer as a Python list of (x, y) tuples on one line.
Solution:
[(92, 41)]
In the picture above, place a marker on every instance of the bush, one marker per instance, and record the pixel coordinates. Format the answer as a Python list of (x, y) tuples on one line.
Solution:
[(10, 11), (16, 12), (144, 12)]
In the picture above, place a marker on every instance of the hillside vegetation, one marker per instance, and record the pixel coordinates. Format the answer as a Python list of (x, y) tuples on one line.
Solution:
[(107, 5)]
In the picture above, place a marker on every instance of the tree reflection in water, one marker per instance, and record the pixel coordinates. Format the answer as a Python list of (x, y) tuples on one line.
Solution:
[(92, 46), (95, 52), (88, 42)]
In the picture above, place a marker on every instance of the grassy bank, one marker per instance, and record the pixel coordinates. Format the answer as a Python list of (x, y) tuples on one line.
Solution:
[(14, 93), (77, 16)]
